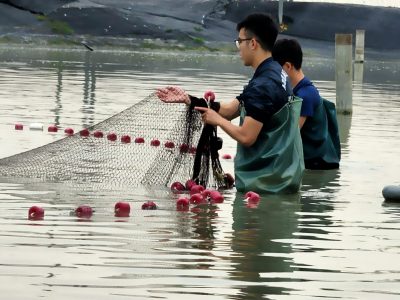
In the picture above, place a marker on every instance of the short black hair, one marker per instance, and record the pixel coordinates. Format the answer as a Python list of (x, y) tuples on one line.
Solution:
[(288, 50), (262, 27)]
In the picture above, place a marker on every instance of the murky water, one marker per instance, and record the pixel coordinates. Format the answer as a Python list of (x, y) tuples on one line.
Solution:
[(336, 239)]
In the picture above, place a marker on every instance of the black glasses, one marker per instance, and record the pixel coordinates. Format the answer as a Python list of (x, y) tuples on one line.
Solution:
[(238, 41)]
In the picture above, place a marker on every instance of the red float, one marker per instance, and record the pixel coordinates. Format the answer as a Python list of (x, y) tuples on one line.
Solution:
[(36, 213), (182, 204), (196, 189), (155, 143), (149, 205), (209, 96), (68, 131), (125, 139), (52, 128), (84, 211), (98, 134), (169, 145), (198, 199), (177, 187), (139, 140), (189, 184), (216, 197), (19, 127), (84, 132), (122, 209), (112, 137)]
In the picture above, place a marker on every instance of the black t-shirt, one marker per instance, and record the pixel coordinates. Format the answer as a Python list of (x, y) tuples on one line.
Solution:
[(267, 92)]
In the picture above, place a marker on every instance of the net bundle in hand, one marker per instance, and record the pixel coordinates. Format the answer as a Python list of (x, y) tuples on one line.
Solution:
[(162, 150)]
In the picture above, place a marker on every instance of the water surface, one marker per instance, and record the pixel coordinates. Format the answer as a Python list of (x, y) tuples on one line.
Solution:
[(335, 239)]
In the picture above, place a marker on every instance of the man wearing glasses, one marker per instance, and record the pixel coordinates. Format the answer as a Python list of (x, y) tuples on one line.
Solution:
[(269, 155)]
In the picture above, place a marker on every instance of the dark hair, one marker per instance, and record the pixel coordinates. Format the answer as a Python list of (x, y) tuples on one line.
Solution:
[(262, 27), (286, 50)]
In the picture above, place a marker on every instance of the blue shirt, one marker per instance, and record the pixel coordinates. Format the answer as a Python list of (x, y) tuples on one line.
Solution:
[(267, 91), (310, 95)]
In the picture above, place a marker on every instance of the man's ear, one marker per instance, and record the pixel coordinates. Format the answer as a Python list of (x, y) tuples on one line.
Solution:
[(287, 66)]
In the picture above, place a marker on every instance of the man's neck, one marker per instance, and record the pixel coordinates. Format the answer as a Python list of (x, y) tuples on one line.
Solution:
[(296, 77), (260, 58)]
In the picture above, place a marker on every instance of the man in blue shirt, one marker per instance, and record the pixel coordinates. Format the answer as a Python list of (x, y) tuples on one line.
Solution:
[(269, 151), (317, 121)]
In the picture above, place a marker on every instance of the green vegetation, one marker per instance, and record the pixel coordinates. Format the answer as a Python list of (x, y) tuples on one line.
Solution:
[(56, 26), (198, 40), (5, 40)]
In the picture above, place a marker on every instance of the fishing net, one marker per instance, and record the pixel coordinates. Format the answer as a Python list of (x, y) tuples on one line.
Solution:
[(162, 150)]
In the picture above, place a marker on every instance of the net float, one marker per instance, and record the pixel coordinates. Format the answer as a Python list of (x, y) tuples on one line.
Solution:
[(182, 204), (253, 199), (139, 140), (112, 137), (229, 180), (155, 143), (216, 197), (36, 213), (98, 134), (250, 194), (68, 131), (169, 145), (149, 205), (189, 184), (36, 126), (177, 187), (84, 132), (19, 126), (122, 209), (206, 193), (184, 148), (192, 150), (125, 139), (52, 128), (209, 96), (84, 211), (196, 189), (227, 156), (198, 199)]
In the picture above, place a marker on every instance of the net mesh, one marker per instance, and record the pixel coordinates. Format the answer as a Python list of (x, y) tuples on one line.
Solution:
[(99, 160)]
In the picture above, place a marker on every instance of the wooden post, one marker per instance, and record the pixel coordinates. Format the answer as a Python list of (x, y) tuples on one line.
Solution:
[(358, 72), (344, 73), (360, 42), (280, 12)]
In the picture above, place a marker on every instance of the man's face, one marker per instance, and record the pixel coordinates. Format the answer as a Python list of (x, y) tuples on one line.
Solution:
[(243, 43)]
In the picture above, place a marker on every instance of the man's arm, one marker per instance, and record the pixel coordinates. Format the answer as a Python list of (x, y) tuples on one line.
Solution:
[(173, 94), (246, 134), (302, 121), (229, 110)]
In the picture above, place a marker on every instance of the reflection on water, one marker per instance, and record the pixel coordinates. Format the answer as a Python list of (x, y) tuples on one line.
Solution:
[(256, 242), (336, 239)]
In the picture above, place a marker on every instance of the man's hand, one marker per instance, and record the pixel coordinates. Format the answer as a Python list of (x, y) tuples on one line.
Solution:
[(209, 116), (173, 94)]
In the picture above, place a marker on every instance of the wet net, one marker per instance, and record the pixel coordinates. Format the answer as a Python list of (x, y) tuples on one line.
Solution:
[(151, 143)]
